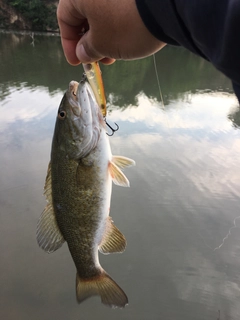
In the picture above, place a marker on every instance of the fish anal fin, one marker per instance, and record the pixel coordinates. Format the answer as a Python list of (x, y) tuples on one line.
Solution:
[(104, 286), (113, 240), (49, 237), (117, 175), (123, 162)]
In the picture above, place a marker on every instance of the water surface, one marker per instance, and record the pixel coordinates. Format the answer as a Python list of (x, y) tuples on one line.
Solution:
[(181, 216)]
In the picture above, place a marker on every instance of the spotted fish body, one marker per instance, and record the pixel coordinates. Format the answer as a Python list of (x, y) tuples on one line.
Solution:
[(78, 191)]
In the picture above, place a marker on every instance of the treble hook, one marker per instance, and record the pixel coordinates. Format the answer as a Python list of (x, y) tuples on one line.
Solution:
[(113, 130)]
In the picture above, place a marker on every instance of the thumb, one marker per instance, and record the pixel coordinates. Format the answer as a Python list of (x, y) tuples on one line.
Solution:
[(85, 51)]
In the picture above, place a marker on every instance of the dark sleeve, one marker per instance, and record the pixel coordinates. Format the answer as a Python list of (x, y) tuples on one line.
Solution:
[(208, 28)]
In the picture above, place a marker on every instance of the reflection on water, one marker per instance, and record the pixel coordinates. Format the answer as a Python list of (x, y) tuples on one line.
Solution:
[(181, 214)]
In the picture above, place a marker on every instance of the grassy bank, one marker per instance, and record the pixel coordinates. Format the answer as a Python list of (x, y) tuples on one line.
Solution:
[(36, 15)]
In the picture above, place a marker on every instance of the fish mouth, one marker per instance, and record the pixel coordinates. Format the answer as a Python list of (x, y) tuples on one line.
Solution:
[(73, 96), (73, 86), (82, 99), (86, 124)]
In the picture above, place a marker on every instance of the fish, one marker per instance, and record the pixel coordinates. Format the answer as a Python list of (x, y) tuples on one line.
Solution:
[(78, 190), (94, 76)]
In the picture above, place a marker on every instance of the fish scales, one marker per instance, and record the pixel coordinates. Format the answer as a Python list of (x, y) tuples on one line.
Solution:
[(79, 218), (78, 191)]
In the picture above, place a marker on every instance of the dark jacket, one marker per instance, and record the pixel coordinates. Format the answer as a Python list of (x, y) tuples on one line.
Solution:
[(209, 28)]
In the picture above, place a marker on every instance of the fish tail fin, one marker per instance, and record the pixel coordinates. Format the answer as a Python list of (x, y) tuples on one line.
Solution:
[(104, 286)]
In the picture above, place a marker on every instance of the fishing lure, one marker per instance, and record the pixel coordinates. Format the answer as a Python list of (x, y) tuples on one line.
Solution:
[(94, 76)]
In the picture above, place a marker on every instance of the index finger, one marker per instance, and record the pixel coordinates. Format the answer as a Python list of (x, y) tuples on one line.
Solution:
[(69, 41), (71, 25)]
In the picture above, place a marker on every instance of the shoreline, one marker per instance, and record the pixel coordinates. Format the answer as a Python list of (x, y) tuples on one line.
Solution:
[(31, 32)]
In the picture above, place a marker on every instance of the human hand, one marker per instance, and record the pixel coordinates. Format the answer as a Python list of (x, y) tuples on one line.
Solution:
[(114, 31)]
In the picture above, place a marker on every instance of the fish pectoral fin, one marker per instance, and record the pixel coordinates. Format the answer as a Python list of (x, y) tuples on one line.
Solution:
[(49, 237), (113, 240), (118, 176), (123, 162), (104, 286)]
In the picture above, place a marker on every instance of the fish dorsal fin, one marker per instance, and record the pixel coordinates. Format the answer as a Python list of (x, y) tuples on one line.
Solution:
[(118, 176), (48, 185), (122, 162), (113, 240), (49, 237)]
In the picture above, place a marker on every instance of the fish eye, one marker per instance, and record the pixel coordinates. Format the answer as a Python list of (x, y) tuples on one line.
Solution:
[(61, 115)]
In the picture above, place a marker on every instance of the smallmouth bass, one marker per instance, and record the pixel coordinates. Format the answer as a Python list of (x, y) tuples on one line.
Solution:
[(78, 191)]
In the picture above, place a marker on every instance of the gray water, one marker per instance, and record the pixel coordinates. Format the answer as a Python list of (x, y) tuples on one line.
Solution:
[(181, 215)]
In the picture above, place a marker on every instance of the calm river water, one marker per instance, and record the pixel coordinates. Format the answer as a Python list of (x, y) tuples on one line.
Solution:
[(181, 215)]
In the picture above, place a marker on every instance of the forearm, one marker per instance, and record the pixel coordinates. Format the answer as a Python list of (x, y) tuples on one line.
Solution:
[(209, 28)]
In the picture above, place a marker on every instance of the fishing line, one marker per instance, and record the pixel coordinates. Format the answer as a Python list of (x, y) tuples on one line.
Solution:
[(158, 82), (160, 91), (167, 122)]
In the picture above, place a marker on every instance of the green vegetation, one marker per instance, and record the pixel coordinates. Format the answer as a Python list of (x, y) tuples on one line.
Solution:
[(41, 15)]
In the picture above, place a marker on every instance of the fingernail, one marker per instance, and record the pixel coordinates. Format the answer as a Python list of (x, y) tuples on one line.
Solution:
[(82, 55)]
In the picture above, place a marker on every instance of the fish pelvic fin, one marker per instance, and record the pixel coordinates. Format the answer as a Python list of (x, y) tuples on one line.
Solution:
[(113, 240), (49, 237), (123, 162), (118, 177), (104, 286), (115, 165)]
